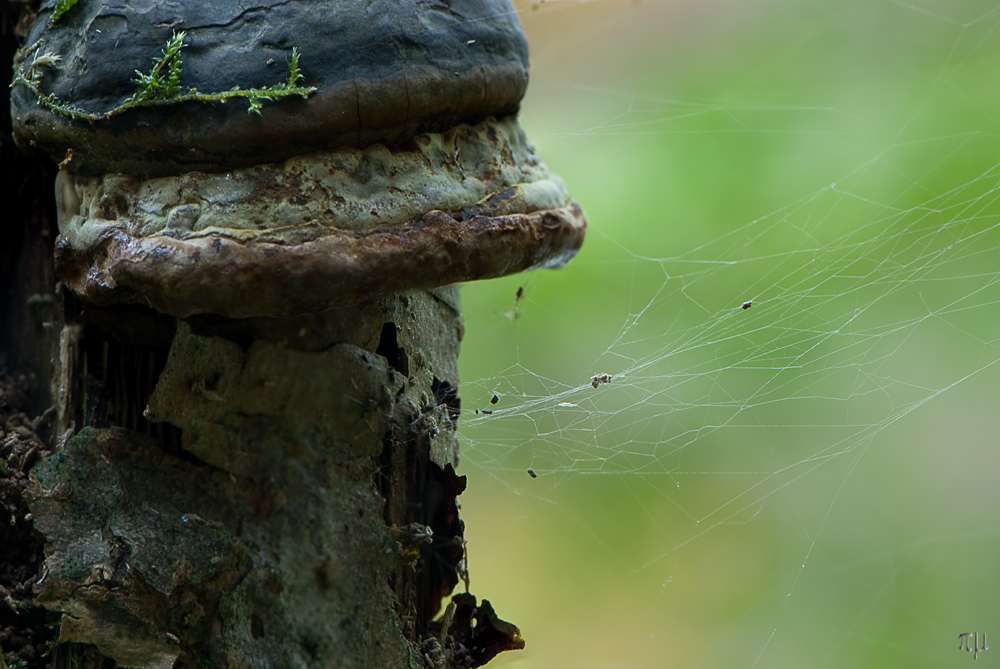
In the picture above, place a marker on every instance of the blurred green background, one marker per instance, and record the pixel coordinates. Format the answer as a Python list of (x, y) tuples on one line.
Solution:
[(810, 482)]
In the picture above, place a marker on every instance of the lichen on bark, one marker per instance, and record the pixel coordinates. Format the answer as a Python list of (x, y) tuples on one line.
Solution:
[(273, 538)]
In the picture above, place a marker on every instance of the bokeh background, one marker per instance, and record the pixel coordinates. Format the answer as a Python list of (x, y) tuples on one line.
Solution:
[(810, 482)]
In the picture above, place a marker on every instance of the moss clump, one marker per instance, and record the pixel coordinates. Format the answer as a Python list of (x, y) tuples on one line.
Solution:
[(160, 87), (62, 6)]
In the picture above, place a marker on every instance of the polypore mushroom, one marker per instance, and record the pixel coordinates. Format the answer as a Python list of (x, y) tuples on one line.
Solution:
[(390, 158), (313, 519)]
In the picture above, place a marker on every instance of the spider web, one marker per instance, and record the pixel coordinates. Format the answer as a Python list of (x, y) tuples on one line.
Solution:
[(793, 462)]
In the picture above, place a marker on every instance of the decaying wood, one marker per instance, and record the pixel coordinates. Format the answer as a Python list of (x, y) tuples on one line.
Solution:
[(267, 540)]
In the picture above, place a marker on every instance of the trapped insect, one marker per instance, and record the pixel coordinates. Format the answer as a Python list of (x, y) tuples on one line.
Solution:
[(599, 379)]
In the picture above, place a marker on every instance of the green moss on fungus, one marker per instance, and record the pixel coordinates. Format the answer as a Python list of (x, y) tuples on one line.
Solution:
[(160, 87)]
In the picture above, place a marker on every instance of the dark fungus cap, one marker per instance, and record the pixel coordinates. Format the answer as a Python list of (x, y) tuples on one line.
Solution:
[(384, 71), (402, 165)]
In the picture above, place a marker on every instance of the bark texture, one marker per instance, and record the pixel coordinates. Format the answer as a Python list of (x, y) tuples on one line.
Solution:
[(265, 541), (27, 282)]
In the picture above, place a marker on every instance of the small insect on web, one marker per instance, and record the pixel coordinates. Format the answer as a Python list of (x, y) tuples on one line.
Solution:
[(515, 312), (598, 379)]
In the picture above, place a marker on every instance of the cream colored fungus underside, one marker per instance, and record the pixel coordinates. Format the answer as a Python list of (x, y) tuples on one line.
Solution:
[(310, 195)]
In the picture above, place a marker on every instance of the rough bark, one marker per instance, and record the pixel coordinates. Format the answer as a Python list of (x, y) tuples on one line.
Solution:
[(265, 540)]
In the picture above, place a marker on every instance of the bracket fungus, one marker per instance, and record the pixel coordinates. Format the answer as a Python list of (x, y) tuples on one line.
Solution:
[(390, 159), (293, 185)]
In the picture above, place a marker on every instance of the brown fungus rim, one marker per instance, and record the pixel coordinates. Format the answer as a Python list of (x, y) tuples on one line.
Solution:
[(219, 275)]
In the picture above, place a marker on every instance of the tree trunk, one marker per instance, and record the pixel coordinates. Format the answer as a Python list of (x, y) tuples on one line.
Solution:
[(214, 492), (286, 528)]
